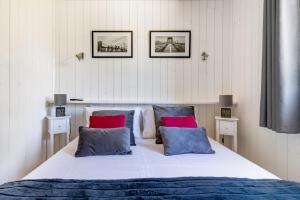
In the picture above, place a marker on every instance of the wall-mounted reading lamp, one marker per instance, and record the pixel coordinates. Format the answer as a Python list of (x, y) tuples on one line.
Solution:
[(204, 56), (80, 56)]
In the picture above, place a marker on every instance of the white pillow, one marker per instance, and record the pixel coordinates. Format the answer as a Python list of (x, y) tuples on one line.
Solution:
[(137, 118), (148, 127)]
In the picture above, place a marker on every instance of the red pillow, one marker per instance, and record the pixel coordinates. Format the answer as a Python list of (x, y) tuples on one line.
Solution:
[(115, 121), (180, 121)]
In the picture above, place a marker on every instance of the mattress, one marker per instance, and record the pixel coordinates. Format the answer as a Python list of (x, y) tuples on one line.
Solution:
[(148, 161)]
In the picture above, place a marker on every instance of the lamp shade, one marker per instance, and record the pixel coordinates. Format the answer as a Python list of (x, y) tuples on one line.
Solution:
[(226, 100), (60, 99)]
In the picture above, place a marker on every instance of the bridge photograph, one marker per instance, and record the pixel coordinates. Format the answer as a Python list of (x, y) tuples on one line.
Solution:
[(170, 44)]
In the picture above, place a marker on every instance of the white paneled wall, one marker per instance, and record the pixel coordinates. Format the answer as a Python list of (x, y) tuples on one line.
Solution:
[(4, 87), (276, 152), (26, 68), (142, 79)]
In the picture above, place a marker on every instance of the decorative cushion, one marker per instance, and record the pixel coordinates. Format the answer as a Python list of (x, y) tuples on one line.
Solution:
[(94, 142), (137, 118), (129, 119), (116, 121), (160, 111), (148, 125), (185, 140), (181, 121)]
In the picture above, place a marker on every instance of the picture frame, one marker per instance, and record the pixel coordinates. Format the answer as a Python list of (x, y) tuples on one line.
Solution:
[(226, 112), (112, 44), (170, 44)]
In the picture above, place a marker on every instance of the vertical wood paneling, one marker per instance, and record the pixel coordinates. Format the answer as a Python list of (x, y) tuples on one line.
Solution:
[(164, 24), (247, 58), (26, 67), (57, 35), (218, 48), (125, 88), (276, 152), (85, 65), (4, 86), (82, 72), (202, 79), (187, 64), (179, 68), (108, 64), (68, 69), (171, 73), (117, 62), (253, 99), (292, 156), (214, 63), (146, 61), (156, 77), (140, 48), (133, 70), (258, 74), (196, 10), (227, 40), (211, 67), (18, 45), (96, 17), (204, 39)]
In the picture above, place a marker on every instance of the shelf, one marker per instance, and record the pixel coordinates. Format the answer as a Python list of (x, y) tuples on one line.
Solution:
[(141, 102)]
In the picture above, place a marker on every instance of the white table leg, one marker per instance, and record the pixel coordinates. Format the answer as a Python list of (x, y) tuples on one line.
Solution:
[(217, 131), (68, 133), (67, 138), (51, 145), (235, 143)]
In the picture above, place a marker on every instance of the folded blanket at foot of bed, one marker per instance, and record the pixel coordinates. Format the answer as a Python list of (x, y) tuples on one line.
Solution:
[(152, 188)]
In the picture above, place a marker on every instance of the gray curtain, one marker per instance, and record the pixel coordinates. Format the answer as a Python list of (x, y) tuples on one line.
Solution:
[(280, 87)]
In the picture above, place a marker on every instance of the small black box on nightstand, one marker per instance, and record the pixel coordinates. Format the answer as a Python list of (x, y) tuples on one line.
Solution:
[(60, 111)]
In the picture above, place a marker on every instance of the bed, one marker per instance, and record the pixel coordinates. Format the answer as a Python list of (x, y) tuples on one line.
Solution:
[(148, 174), (148, 161)]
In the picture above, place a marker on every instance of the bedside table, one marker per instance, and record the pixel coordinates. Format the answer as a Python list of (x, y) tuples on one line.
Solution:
[(57, 125), (227, 126)]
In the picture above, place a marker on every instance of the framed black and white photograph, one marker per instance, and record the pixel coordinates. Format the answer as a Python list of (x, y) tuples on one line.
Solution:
[(112, 44), (170, 44)]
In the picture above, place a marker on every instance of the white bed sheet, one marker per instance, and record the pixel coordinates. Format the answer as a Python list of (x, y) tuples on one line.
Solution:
[(148, 161)]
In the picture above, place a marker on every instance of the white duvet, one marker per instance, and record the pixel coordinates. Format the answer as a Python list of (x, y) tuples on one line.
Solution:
[(148, 161)]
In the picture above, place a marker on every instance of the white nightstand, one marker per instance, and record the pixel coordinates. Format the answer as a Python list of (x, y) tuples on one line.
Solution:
[(227, 126), (57, 125)]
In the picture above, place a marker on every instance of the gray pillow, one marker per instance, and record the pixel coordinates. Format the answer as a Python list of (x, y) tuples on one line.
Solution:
[(160, 111), (185, 140), (94, 141), (129, 119)]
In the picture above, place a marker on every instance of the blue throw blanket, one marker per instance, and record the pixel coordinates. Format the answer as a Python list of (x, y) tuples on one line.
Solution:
[(152, 188)]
